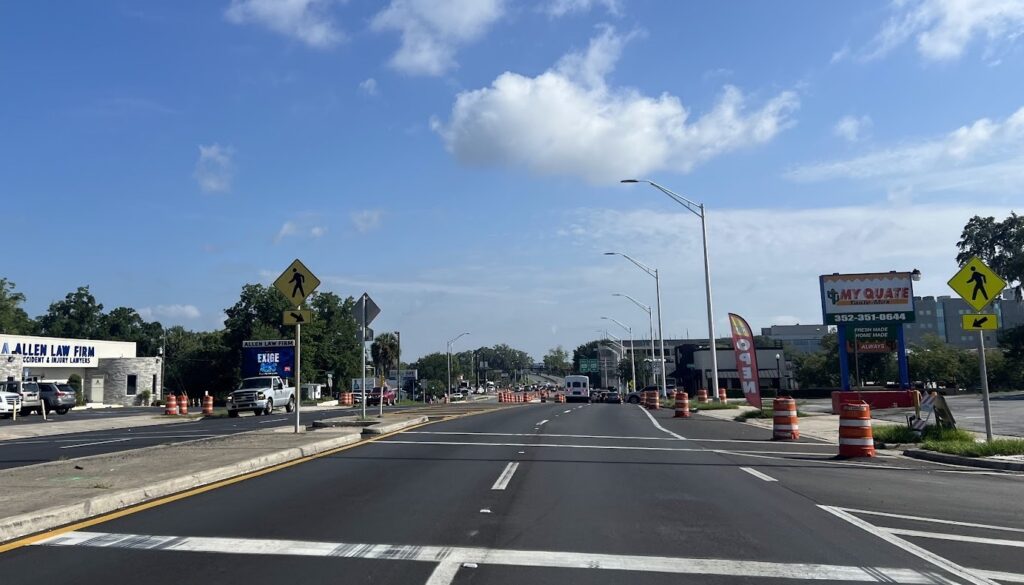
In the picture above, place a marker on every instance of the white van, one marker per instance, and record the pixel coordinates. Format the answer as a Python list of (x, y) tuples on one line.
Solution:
[(577, 389)]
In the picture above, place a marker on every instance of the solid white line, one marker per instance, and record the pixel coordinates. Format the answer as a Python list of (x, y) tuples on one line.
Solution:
[(444, 573), (96, 443), (758, 474), (542, 422), (941, 562), (1001, 575), (505, 477), (484, 556), (658, 426), (936, 520), (957, 537)]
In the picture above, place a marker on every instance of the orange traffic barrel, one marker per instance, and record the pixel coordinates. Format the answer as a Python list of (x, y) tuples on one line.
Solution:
[(172, 405), (682, 405), (652, 401), (183, 404), (722, 395), (207, 405), (702, 396), (784, 421), (855, 438)]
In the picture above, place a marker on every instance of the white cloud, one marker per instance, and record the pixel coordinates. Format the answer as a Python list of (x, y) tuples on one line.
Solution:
[(305, 20), (366, 220), (983, 155), (173, 312), (851, 128), (305, 225), (558, 8), (568, 121), (368, 86), (432, 30), (215, 168), (942, 29)]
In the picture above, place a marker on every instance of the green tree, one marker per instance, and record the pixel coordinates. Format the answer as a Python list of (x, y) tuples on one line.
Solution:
[(125, 324), (934, 360), (819, 369), (78, 316), (434, 366), (1000, 244), (197, 362), (256, 315), (587, 350), (13, 319), (556, 361), (330, 343), (384, 352)]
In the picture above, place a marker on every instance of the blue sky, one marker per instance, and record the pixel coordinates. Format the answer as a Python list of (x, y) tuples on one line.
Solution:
[(460, 160)]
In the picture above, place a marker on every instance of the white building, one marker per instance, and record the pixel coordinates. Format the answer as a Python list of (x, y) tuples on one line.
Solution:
[(111, 372)]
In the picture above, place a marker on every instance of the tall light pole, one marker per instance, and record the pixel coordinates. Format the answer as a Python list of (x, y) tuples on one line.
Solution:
[(653, 273), (448, 389), (650, 321), (632, 352), (698, 210), (622, 350)]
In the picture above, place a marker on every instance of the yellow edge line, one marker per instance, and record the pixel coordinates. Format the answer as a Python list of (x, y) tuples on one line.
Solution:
[(28, 540)]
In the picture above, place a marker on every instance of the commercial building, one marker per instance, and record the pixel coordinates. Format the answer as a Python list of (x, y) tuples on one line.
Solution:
[(798, 338), (941, 316), (110, 371)]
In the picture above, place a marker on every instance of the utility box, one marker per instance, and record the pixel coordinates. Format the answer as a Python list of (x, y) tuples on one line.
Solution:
[(312, 391)]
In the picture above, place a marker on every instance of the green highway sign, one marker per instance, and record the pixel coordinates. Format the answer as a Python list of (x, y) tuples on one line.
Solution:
[(589, 365)]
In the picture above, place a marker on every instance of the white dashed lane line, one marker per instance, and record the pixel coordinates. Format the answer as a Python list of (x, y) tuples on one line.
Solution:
[(94, 443), (758, 474), (506, 476), (542, 422)]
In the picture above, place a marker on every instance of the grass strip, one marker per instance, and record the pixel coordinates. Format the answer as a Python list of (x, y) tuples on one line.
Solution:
[(763, 413), (903, 434), (975, 449)]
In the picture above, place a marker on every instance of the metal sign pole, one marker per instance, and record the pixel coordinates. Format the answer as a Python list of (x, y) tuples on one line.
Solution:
[(298, 372), (984, 385)]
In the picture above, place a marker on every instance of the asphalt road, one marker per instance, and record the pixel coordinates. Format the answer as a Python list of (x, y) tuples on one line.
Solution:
[(553, 493), (81, 414), (29, 451)]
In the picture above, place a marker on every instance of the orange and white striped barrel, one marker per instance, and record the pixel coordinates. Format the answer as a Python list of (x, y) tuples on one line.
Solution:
[(346, 399), (172, 405), (183, 404), (723, 395), (702, 396), (855, 437), (682, 405), (207, 405), (785, 425), (652, 400)]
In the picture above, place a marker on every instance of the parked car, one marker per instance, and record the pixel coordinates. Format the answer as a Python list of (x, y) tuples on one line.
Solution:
[(455, 396), (638, 396), (56, 397), (29, 392), (389, 395), (10, 402)]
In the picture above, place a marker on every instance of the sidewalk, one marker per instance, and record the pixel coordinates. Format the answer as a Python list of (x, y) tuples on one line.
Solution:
[(62, 427), (817, 426), (41, 497)]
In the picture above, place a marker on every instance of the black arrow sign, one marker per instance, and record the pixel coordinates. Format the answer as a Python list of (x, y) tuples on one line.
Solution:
[(298, 317), (980, 321)]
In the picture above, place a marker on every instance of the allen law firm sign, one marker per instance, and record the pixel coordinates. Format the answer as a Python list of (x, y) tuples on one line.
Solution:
[(54, 352)]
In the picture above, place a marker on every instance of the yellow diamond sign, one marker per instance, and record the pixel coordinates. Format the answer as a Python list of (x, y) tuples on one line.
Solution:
[(296, 283), (977, 284)]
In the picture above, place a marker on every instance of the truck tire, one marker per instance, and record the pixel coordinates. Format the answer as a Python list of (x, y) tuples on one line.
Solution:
[(270, 407), (232, 414), (63, 410), (291, 405)]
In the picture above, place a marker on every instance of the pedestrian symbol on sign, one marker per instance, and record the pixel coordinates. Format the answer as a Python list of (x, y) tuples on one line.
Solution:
[(979, 284), (298, 279)]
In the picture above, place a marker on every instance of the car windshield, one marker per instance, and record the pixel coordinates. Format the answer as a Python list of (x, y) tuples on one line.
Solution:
[(256, 383)]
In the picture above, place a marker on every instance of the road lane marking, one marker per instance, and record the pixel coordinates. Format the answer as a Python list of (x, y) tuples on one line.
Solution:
[(758, 474), (957, 537), (936, 520), (1001, 576), (94, 443), (830, 446), (542, 422), (658, 426), (568, 411), (609, 447), (941, 562), (444, 573), (506, 476), (458, 556)]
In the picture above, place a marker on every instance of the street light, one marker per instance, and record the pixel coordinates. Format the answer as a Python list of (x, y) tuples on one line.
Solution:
[(632, 352), (778, 370), (448, 389), (653, 273), (650, 321), (698, 210)]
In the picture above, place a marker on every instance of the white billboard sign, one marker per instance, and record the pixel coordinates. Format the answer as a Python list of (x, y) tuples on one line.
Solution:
[(878, 297)]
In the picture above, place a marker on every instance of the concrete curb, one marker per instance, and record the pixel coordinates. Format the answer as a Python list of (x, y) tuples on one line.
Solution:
[(49, 518), (383, 428), (966, 461), (50, 429)]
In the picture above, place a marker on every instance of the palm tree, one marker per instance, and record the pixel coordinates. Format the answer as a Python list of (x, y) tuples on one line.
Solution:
[(384, 353)]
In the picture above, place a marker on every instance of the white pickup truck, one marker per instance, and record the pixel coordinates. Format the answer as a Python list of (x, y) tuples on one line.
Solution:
[(261, 395)]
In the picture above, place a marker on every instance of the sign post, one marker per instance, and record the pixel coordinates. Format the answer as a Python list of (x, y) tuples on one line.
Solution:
[(978, 286), (365, 311), (297, 283)]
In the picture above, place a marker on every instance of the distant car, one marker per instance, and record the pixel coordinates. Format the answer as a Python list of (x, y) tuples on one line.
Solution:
[(612, 398), (638, 396), (389, 395), (597, 395), (454, 396), (57, 397), (29, 392)]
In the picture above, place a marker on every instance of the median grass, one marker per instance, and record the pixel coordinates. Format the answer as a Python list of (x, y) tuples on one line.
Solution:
[(975, 449), (763, 413), (713, 406), (903, 434)]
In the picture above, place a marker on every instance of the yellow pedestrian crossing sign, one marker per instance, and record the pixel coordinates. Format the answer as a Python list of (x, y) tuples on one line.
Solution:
[(297, 282), (979, 322), (977, 284), (297, 316)]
